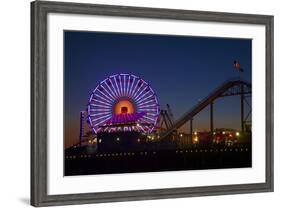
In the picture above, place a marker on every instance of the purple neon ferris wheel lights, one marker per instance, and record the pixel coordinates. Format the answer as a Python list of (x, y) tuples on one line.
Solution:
[(125, 91)]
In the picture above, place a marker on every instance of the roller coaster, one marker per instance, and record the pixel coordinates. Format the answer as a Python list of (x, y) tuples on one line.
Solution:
[(231, 87)]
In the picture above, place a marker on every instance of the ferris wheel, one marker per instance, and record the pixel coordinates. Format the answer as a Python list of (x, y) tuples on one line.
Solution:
[(123, 99)]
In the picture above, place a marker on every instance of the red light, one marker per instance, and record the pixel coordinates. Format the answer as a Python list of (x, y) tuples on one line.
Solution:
[(124, 109)]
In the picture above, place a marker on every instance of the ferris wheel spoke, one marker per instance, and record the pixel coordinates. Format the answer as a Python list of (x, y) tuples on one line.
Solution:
[(117, 86), (150, 101), (102, 113), (147, 102), (146, 126), (141, 128), (140, 93), (128, 85), (136, 93), (147, 106), (103, 99), (102, 102), (101, 106), (107, 92), (124, 83), (148, 119), (91, 97), (110, 90), (102, 117), (146, 98), (90, 121), (142, 120), (100, 109), (115, 91), (152, 114), (106, 95), (140, 97), (134, 90), (146, 110), (131, 86), (120, 83)]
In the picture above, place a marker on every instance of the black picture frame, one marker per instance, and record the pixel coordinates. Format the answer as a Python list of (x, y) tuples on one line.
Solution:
[(39, 98)]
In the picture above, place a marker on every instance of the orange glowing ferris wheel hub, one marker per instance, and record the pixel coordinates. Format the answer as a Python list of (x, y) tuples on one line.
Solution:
[(124, 106)]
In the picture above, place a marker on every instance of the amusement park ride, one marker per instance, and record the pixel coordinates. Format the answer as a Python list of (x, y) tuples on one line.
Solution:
[(123, 102), (123, 113)]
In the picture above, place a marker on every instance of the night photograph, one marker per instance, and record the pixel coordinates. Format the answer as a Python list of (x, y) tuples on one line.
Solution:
[(149, 103)]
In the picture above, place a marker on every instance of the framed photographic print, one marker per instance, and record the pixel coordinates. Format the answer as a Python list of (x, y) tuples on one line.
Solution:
[(133, 103)]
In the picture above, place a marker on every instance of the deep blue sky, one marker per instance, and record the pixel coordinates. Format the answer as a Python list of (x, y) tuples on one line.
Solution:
[(180, 69)]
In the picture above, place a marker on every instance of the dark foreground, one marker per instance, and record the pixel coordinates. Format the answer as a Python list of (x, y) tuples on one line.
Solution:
[(155, 161)]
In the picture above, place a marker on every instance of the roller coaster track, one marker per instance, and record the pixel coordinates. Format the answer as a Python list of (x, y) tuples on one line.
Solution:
[(231, 87)]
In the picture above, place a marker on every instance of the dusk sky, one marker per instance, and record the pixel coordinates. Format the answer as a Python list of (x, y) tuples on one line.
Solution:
[(182, 70)]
